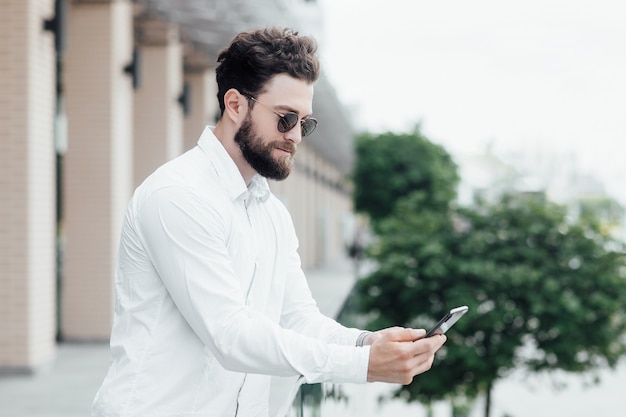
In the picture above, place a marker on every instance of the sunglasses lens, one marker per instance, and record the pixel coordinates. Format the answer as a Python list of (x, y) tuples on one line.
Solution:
[(308, 126), (290, 120), (287, 122)]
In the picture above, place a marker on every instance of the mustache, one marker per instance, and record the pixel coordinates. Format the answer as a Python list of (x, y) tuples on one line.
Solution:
[(286, 146)]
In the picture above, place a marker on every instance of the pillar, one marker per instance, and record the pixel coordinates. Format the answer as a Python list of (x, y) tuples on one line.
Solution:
[(203, 109), (27, 185), (98, 163), (158, 115)]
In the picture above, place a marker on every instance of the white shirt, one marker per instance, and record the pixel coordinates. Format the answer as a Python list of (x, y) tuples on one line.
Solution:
[(211, 298)]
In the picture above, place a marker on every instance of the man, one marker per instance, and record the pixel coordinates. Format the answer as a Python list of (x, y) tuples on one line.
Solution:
[(210, 296)]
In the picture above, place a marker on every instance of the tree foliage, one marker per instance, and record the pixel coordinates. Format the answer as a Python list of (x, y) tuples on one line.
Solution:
[(391, 166), (544, 292)]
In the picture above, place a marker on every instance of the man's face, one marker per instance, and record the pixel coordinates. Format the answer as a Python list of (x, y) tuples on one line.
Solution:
[(258, 153), (268, 151)]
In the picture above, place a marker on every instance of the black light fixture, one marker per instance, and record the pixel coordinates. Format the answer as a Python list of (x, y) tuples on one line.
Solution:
[(134, 69), (58, 25), (185, 99)]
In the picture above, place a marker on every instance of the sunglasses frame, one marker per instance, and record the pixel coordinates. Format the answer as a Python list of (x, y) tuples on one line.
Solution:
[(284, 125)]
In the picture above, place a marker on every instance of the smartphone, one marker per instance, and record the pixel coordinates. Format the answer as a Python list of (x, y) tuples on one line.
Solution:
[(447, 321)]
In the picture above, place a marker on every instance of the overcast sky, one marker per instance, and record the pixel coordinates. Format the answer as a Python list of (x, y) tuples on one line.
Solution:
[(537, 73)]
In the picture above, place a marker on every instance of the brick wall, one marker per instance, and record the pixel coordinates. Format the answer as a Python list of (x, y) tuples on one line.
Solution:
[(27, 178)]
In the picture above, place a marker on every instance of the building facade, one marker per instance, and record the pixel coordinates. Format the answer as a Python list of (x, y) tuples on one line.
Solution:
[(96, 95)]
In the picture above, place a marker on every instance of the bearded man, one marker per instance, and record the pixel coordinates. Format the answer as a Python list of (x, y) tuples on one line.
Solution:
[(211, 299)]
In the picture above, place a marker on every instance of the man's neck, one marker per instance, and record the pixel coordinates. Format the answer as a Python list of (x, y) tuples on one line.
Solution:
[(227, 139)]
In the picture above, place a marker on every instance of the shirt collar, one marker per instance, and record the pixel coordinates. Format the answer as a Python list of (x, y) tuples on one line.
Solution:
[(228, 172), (259, 188)]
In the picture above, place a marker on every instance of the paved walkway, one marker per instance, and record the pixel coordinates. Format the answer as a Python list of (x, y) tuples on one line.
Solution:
[(64, 389)]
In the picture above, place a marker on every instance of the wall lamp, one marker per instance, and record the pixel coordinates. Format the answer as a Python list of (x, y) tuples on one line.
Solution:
[(134, 69), (58, 25), (185, 99)]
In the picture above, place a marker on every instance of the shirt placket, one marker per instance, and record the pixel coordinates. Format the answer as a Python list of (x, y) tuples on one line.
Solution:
[(253, 238), (248, 295)]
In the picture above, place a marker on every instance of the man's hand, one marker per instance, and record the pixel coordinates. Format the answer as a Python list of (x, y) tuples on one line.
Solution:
[(398, 354)]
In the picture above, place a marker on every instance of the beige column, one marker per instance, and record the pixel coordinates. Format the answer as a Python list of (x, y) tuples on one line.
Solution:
[(199, 77), (98, 164), (314, 216), (158, 116), (340, 210), (325, 214), (27, 185), (309, 212), (344, 213)]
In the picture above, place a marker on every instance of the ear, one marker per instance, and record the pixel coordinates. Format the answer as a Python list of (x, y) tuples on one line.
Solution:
[(235, 105)]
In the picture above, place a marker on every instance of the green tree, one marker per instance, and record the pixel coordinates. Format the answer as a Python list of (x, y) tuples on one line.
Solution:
[(544, 293), (391, 166), (606, 209)]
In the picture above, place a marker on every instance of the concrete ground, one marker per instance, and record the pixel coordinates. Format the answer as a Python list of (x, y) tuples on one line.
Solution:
[(63, 389)]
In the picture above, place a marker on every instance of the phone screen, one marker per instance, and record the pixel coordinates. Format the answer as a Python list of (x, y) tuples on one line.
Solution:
[(447, 321)]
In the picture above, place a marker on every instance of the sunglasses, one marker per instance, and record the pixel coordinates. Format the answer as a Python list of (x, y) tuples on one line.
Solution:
[(290, 119)]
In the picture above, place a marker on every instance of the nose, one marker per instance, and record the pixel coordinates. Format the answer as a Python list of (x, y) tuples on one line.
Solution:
[(295, 134)]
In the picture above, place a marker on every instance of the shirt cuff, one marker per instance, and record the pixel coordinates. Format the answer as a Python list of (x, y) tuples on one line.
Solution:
[(350, 363)]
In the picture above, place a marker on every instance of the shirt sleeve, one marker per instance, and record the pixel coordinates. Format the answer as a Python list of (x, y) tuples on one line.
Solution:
[(300, 311), (185, 237)]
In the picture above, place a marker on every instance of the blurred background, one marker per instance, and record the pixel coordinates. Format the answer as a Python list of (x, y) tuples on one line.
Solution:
[(482, 110)]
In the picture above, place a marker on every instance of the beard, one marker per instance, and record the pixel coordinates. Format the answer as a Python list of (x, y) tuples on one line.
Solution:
[(259, 155)]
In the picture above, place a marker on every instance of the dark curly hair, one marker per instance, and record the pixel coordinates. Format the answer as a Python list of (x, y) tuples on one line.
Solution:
[(254, 57)]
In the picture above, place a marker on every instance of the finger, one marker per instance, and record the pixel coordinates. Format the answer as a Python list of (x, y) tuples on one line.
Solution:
[(439, 340), (413, 367), (428, 345), (423, 360), (400, 334), (420, 333), (423, 363)]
